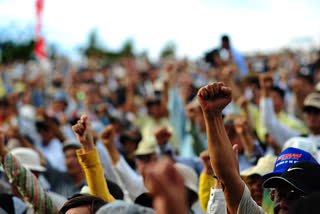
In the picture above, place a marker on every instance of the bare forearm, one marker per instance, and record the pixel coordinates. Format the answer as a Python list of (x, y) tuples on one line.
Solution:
[(114, 153), (220, 149), (224, 161)]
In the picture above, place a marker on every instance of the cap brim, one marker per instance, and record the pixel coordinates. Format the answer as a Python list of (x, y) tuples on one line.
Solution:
[(308, 107), (36, 168), (277, 181)]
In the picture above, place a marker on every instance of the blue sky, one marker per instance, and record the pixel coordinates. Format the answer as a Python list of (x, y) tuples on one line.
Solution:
[(194, 25)]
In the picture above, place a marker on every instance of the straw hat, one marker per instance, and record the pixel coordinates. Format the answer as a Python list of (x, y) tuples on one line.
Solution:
[(265, 165)]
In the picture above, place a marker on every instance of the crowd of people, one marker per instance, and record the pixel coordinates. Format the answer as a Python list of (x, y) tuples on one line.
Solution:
[(224, 134)]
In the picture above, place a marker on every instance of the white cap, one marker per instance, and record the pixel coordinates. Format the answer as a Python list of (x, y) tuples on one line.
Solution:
[(189, 175), (28, 158)]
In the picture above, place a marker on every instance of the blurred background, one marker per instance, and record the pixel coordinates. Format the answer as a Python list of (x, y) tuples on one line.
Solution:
[(144, 27)]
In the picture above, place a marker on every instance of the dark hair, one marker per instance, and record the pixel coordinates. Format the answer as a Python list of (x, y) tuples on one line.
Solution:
[(192, 197), (145, 199), (4, 102), (209, 57), (94, 203), (133, 135), (115, 190), (225, 38), (279, 91), (42, 126)]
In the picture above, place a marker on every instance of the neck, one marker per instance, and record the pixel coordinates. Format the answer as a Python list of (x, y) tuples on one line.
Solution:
[(78, 178)]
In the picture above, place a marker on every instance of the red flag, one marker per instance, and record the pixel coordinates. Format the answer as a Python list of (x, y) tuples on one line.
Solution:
[(39, 48)]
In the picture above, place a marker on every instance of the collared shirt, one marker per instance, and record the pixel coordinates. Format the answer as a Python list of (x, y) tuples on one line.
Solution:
[(54, 154)]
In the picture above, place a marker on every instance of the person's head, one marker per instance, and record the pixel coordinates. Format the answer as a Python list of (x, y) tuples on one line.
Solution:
[(225, 42), (309, 204), (82, 204), (30, 159), (145, 156), (154, 107), (311, 112), (190, 182), (130, 140), (45, 131), (277, 95), (122, 207), (60, 101), (253, 176), (297, 181), (4, 106), (71, 160)]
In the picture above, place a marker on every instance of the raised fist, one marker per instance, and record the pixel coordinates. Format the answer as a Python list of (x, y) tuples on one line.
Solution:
[(107, 135), (214, 97), (266, 81), (205, 159), (241, 125), (83, 131), (191, 111), (162, 135)]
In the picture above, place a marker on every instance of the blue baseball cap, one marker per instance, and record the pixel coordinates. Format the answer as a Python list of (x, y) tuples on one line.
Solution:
[(288, 157)]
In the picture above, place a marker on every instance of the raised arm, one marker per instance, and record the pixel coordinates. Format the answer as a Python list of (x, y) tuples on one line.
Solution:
[(280, 132), (131, 180), (89, 160), (213, 99)]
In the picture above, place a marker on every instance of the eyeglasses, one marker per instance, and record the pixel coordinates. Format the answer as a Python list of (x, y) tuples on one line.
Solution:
[(287, 194)]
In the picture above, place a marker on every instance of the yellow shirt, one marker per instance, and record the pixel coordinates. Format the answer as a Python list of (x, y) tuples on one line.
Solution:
[(92, 168), (205, 183)]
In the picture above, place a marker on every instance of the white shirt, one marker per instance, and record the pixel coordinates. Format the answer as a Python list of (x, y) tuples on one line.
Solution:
[(130, 179), (54, 154), (247, 205), (217, 203)]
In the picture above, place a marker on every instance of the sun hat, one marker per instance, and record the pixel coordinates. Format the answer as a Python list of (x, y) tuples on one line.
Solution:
[(70, 144), (145, 148), (265, 165), (189, 175), (312, 101), (303, 143), (29, 158)]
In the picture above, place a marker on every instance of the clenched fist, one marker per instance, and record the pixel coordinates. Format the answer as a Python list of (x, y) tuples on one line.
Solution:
[(83, 131), (214, 97), (107, 135)]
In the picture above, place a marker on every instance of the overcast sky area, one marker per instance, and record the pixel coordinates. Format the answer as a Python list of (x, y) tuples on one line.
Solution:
[(194, 25)]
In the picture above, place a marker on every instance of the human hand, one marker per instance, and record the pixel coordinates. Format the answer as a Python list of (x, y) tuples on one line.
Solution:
[(162, 135), (243, 102), (191, 111), (241, 125), (164, 182), (83, 131), (214, 97), (266, 82), (107, 135), (13, 132), (205, 159)]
